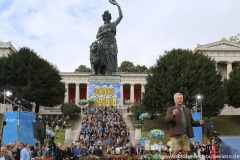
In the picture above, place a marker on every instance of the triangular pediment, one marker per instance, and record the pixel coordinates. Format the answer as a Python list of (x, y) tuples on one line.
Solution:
[(223, 44)]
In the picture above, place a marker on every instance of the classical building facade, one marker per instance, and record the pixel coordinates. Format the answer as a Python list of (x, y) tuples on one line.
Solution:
[(6, 48), (132, 86), (225, 53)]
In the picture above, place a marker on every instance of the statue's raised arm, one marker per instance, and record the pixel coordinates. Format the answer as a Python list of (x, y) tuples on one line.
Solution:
[(114, 2)]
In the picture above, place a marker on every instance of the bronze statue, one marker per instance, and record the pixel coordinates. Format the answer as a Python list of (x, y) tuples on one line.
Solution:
[(106, 45)]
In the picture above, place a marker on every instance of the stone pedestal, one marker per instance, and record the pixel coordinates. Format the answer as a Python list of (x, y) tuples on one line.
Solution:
[(68, 134), (104, 79), (138, 132)]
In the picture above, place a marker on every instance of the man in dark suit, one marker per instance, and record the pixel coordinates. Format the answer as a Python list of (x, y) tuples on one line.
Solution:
[(98, 152), (70, 151), (180, 120), (18, 146), (78, 152)]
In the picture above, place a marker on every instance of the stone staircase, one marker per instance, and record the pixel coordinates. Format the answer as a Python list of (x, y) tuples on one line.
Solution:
[(76, 130), (128, 121), (50, 110)]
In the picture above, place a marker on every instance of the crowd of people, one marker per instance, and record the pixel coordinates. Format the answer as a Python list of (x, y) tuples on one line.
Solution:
[(206, 151), (104, 132), (53, 122), (105, 128), (19, 151), (96, 149)]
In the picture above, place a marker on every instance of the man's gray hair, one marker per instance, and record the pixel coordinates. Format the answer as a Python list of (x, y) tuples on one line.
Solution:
[(177, 94)]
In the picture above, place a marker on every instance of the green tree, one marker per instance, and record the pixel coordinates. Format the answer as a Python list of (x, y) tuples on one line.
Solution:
[(235, 38), (69, 109), (32, 78), (188, 73), (83, 68), (127, 66), (233, 88), (139, 68)]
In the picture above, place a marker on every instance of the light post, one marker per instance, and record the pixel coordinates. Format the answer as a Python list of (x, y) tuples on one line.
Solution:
[(200, 98), (5, 94)]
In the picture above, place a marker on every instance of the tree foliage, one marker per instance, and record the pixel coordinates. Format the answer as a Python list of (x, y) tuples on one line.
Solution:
[(233, 88), (69, 109), (186, 72), (127, 66), (83, 68), (139, 68), (235, 38), (137, 110), (31, 77)]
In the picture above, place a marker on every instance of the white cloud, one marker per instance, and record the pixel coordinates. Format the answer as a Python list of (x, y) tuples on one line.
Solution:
[(61, 31)]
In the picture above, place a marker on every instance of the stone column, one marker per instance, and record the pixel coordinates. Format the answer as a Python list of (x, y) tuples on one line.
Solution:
[(68, 135), (132, 92), (121, 92), (216, 65), (66, 99), (142, 90), (77, 93), (87, 90), (229, 68)]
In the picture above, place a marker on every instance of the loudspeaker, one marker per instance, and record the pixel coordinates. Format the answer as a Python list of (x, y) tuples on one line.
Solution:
[(208, 129), (39, 130)]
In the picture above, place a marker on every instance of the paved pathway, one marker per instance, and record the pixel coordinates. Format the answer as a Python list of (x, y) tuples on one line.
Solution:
[(76, 131), (128, 121)]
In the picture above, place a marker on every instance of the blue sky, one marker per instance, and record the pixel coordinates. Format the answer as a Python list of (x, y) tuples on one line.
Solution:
[(61, 31)]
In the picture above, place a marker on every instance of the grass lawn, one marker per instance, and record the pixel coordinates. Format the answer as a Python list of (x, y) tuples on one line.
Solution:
[(60, 136), (225, 125), (157, 123)]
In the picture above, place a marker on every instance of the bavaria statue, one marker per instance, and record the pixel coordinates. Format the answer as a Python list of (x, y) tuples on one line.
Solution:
[(103, 51)]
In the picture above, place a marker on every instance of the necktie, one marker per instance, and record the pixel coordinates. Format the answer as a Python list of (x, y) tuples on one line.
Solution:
[(184, 126)]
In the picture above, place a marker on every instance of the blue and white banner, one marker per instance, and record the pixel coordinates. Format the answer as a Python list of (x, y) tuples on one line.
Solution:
[(105, 94)]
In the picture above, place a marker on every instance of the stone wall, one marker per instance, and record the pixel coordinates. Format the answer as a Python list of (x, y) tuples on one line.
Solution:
[(229, 110), (5, 108)]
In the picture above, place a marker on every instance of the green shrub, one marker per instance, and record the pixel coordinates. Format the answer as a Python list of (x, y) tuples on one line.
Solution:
[(137, 109), (69, 109)]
